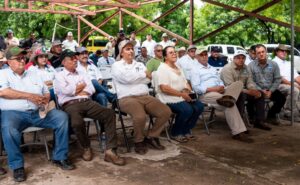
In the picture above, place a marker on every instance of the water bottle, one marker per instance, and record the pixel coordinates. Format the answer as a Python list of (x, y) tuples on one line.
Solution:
[(103, 142)]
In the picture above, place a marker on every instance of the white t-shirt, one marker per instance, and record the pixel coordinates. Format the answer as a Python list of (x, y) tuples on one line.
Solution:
[(150, 47), (165, 44), (70, 45), (46, 74), (167, 76), (285, 68)]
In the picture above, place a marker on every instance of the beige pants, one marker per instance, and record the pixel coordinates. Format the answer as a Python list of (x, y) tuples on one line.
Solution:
[(286, 90), (138, 107), (233, 117)]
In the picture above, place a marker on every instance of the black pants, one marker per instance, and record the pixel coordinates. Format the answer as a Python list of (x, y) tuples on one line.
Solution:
[(255, 106), (278, 100), (93, 110)]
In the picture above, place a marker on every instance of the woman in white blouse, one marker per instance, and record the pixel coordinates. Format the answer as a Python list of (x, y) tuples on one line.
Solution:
[(174, 90), (43, 69)]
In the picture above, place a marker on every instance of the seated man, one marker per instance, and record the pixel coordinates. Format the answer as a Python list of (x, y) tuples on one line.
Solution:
[(131, 79), (285, 86), (22, 94), (102, 95), (153, 63), (143, 57), (237, 71), (215, 59), (74, 90), (105, 59), (207, 83), (266, 76)]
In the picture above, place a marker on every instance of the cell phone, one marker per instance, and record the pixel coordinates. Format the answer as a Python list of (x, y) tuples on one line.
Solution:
[(193, 96)]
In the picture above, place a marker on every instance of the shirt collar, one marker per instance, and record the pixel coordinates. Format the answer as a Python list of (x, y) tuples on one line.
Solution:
[(67, 73), (22, 76)]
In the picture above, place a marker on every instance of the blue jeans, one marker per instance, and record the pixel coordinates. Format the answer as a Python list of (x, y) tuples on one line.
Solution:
[(14, 122), (102, 94), (187, 115)]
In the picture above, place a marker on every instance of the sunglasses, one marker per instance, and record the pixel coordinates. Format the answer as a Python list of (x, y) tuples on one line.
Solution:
[(19, 59)]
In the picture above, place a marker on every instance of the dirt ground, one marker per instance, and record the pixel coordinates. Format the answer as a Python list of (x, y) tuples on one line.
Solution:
[(274, 158)]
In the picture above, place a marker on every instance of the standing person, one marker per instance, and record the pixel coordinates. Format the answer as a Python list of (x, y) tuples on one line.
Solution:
[(215, 59), (266, 76), (74, 90), (149, 43), (30, 41), (95, 56), (285, 85), (22, 93), (237, 71), (251, 55), (120, 37), (55, 52), (70, 43), (188, 61), (131, 79), (10, 40), (137, 46), (166, 41), (153, 64), (173, 90), (105, 59), (143, 57), (110, 46)]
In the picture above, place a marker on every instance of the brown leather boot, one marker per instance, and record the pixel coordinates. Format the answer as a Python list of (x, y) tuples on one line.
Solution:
[(112, 157), (87, 154)]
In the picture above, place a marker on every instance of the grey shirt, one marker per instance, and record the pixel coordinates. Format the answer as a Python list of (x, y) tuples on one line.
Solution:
[(267, 77)]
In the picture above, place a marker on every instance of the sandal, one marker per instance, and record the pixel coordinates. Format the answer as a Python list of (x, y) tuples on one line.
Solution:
[(180, 139)]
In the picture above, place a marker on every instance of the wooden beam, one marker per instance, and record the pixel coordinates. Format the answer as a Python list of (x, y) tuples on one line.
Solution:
[(155, 26), (75, 8), (163, 15), (6, 3), (148, 2), (97, 3), (191, 23), (120, 20), (41, 11), (99, 25), (265, 6), (94, 27), (297, 28), (78, 30), (106, 9)]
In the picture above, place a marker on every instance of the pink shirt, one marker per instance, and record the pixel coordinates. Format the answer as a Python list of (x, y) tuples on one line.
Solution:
[(65, 85)]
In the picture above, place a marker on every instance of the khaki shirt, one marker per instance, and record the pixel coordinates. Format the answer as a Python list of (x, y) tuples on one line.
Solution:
[(230, 74)]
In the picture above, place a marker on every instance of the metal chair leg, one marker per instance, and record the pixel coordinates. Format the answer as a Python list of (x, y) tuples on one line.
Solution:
[(124, 132), (46, 147), (205, 124)]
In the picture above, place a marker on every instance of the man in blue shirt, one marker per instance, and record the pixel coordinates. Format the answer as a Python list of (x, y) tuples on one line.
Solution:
[(22, 94), (215, 59)]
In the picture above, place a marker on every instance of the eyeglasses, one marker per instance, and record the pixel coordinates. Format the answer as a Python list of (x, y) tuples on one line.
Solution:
[(19, 59), (159, 50)]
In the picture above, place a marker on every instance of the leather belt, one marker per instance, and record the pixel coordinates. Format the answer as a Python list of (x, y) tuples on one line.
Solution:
[(75, 101)]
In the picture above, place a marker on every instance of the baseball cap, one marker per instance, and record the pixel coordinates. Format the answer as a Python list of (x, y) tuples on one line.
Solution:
[(56, 43), (124, 43), (10, 31), (200, 50), (181, 49), (66, 53), (80, 49), (70, 34), (191, 47), (164, 35), (240, 52), (14, 51)]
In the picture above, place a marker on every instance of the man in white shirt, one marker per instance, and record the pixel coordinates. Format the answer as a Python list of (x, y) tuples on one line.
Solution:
[(70, 43), (188, 61), (149, 44), (131, 79), (110, 46), (102, 94), (105, 59), (10, 40), (285, 86), (137, 45), (22, 94), (166, 41), (74, 90)]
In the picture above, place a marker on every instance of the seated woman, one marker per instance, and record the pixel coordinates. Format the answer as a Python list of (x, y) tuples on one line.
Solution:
[(43, 69), (173, 89)]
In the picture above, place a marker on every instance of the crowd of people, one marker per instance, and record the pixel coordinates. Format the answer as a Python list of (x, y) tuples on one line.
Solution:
[(184, 82)]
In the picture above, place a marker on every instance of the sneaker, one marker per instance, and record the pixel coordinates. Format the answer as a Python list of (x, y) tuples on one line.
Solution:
[(19, 175)]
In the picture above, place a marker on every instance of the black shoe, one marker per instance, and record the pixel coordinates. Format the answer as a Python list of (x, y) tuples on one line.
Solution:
[(19, 175), (140, 148), (262, 126), (64, 164), (243, 138), (153, 143), (2, 171)]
